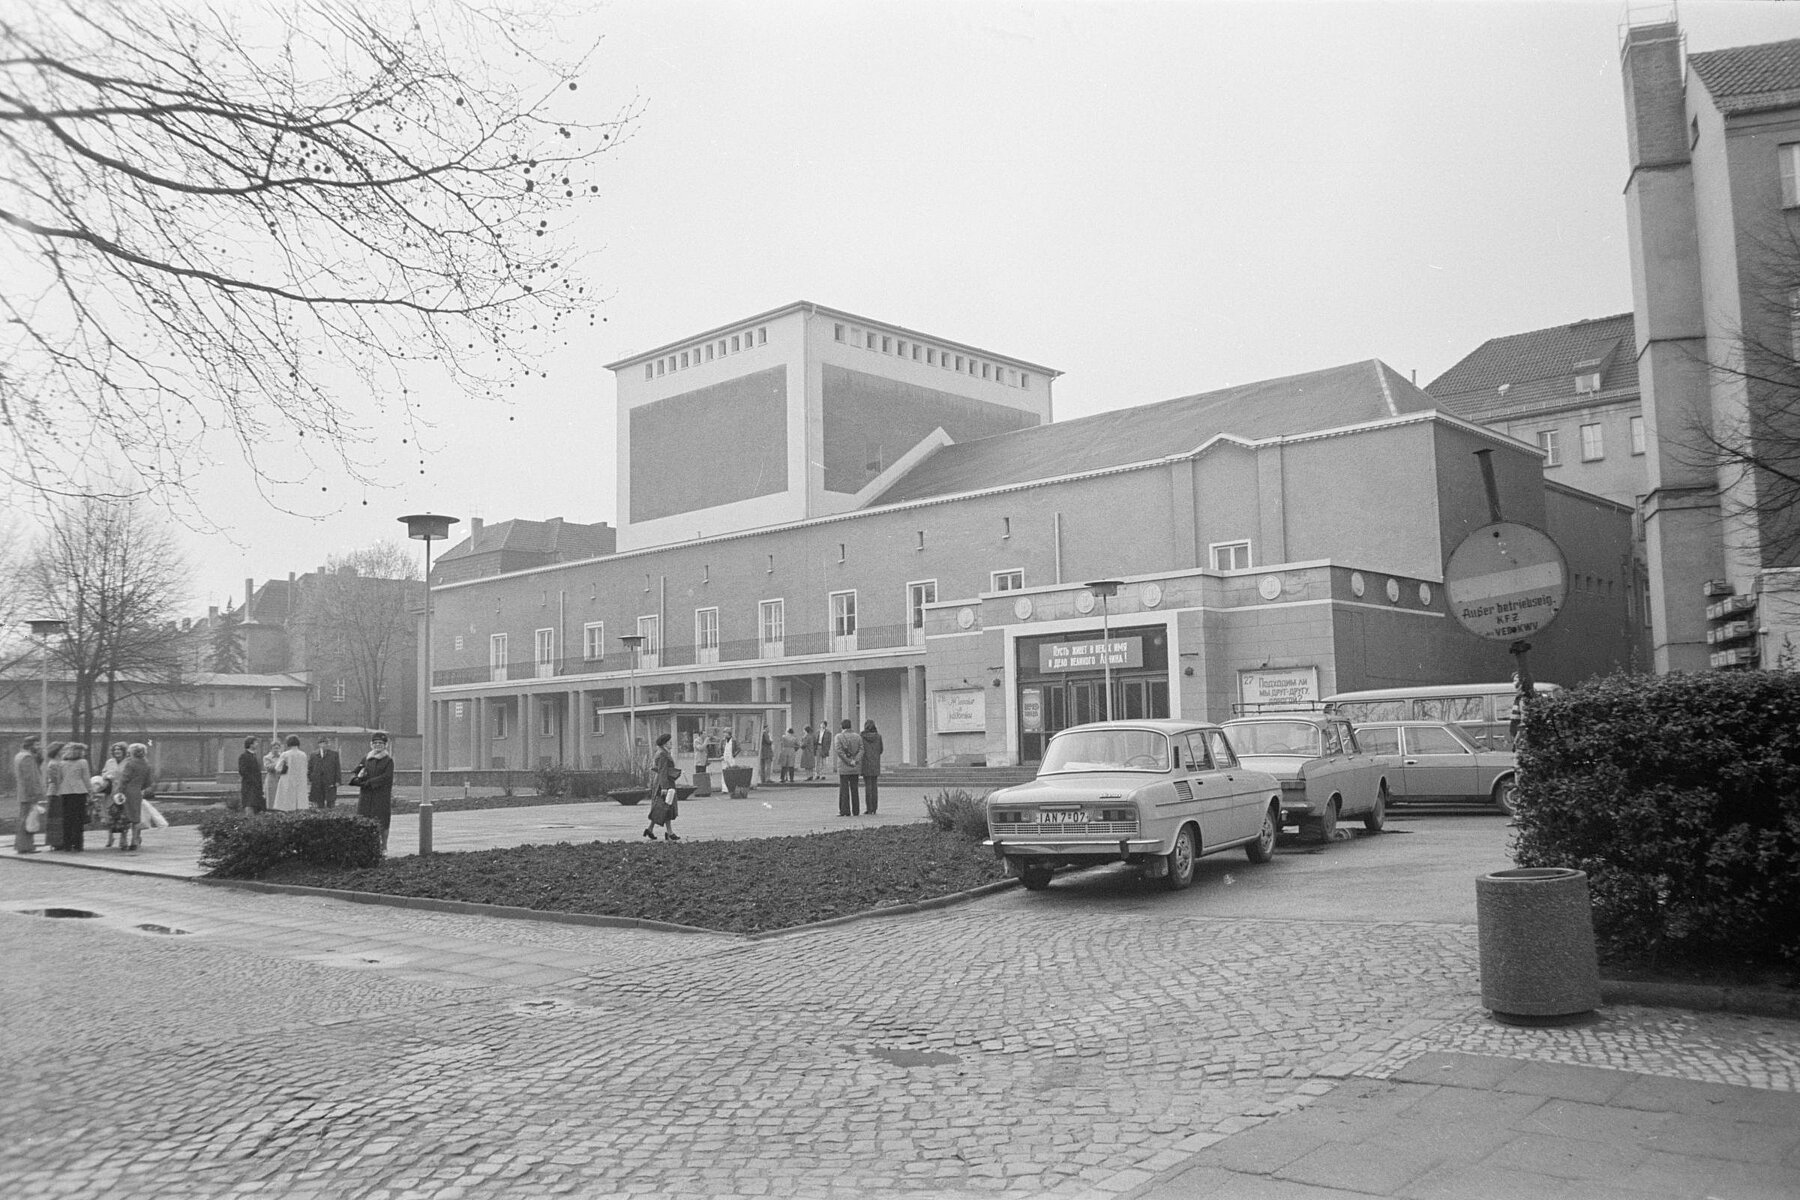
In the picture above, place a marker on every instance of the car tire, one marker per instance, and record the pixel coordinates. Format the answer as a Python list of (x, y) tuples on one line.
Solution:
[(1376, 817), (1324, 827), (1182, 859), (1263, 848), (1506, 792), (1035, 876)]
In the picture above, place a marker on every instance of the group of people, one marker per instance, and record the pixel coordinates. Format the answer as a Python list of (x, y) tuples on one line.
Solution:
[(855, 759), (288, 779), (60, 796)]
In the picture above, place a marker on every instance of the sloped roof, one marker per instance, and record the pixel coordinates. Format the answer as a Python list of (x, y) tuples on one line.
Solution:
[(1327, 399), (272, 604), (556, 539), (1538, 368), (1751, 78)]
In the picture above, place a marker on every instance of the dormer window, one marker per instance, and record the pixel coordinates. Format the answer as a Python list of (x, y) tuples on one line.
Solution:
[(1588, 382)]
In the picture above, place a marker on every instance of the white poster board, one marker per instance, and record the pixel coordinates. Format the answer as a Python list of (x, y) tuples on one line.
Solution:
[(1274, 686), (963, 710)]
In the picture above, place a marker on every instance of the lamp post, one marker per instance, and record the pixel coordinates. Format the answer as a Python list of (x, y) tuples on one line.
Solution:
[(43, 631), (427, 528), (1106, 589), (274, 724), (631, 642)]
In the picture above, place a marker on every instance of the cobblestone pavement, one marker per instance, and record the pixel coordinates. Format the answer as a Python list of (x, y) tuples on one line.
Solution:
[(295, 1047)]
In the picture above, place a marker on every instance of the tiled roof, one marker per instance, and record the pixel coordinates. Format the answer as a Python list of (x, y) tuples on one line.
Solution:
[(1538, 368), (556, 538), (1338, 396), (273, 603), (1751, 78)]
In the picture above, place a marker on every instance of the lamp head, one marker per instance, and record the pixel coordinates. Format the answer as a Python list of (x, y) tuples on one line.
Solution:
[(1103, 588), (427, 527)]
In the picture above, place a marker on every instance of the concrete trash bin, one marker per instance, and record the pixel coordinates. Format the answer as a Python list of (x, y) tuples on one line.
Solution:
[(1538, 964)]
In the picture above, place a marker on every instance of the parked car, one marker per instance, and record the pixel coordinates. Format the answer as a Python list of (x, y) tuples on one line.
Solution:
[(1157, 794), (1437, 761), (1325, 774)]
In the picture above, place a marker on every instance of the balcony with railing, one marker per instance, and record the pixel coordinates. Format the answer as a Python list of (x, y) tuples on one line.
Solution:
[(746, 650)]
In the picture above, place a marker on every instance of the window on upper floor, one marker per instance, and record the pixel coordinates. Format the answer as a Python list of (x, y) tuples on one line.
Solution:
[(843, 614), (1007, 581), (1230, 556), (1593, 443), (1548, 441), (706, 629), (771, 622), (338, 691), (1637, 435), (1587, 381), (1788, 154), (593, 641), (918, 595)]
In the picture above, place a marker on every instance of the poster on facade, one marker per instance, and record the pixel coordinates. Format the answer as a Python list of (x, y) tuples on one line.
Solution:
[(1091, 656), (1278, 686), (1031, 709), (961, 711)]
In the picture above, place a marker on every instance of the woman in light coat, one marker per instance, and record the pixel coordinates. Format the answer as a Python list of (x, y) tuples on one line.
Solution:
[(290, 775)]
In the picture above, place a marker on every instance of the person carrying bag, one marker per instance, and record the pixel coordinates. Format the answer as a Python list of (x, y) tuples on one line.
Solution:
[(663, 805)]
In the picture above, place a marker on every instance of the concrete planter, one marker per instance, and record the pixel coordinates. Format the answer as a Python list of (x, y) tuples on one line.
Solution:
[(737, 781), (1538, 963)]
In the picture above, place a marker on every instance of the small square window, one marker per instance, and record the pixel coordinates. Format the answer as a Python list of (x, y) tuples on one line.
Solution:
[(1231, 556), (1008, 581)]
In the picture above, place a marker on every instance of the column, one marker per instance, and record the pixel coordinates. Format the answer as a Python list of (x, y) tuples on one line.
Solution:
[(909, 721), (828, 713), (847, 695), (577, 734)]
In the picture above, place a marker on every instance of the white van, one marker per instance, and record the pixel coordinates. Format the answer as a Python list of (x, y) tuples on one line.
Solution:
[(1483, 710)]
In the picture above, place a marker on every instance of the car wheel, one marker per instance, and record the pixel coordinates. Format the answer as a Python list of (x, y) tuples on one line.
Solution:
[(1376, 817), (1181, 860), (1506, 795), (1263, 848), (1324, 827), (1035, 876)]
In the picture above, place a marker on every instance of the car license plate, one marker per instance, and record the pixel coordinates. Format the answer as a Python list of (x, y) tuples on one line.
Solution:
[(1061, 816)]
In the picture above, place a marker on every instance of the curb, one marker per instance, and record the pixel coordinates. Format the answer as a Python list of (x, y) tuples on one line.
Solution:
[(514, 913), (1701, 997)]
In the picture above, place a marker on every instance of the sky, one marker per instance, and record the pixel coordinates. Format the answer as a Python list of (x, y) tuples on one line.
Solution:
[(1157, 199)]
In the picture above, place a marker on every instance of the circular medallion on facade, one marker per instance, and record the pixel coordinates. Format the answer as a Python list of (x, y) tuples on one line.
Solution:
[(1269, 587), (966, 618), (1393, 590), (1424, 593), (1022, 608), (1084, 602), (1358, 585), (1152, 595)]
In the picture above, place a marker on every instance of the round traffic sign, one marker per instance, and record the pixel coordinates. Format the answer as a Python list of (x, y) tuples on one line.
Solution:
[(1506, 581)]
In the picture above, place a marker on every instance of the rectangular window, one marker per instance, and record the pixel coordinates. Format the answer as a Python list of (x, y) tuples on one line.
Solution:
[(649, 370), (869, 341), (1593, 444), (735, 340), (1548, 442), (497, 657), (918, 595), (837, 332), (886, 344), (544, 653), (1008, 581), (501, 721), (706, 635), (650, 629), (660, 368), (546, 717), (709, 352), (684, 355), (771, 626), (931, 356), (1231, 556), (1588, 381), (984, 370), (762, 337), (1789, 155), (915, 351), (1024, 380), (593, 641), (959, 362), (843, 616), (339, 691), (1637, 435), (596, 717), (900, 347)]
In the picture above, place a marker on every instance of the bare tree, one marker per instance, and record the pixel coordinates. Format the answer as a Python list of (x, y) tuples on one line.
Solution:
[(111, 570), (356, 622), (237, 221)]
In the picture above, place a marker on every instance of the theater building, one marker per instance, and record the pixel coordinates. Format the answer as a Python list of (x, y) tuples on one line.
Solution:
[(826, 517)]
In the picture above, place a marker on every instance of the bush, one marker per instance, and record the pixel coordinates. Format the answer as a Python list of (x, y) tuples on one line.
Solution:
[(552, 779), (246, 845), (1679, 795), (955, 810)]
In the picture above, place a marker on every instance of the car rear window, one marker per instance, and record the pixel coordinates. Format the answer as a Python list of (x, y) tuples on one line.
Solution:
[(1276, 737), (1106, 750)]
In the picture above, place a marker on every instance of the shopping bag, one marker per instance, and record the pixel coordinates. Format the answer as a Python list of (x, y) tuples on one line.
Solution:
[(150, 817), (659, 809), (34, 821)]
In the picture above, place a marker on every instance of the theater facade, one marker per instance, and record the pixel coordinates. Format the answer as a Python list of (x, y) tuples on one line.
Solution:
[(909, 537)]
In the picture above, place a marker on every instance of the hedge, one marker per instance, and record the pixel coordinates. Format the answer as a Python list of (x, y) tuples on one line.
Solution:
[(1679, 795), (237, 845)]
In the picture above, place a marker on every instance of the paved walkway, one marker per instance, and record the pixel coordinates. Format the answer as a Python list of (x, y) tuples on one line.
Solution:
[(1254, 1038)]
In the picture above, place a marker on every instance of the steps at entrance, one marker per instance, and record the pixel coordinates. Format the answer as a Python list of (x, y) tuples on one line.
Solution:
[(972, 779)]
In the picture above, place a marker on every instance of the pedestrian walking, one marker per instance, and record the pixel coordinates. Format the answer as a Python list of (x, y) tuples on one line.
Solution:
[(250, 788), (136, 784), (809, 753), (73, 786), (846, 754), (784, 759), (53, 822), (324, 771), (663, 804), (871, 764), (374, 775), (28, 778), (290, 790)]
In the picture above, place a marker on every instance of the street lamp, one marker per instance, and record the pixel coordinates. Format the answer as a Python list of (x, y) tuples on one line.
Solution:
[(1106, 589), (427, 528), (632, 641), (43, 631)]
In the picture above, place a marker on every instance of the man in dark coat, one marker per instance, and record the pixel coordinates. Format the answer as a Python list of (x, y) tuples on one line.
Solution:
[(324, 771), (250, 786)]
